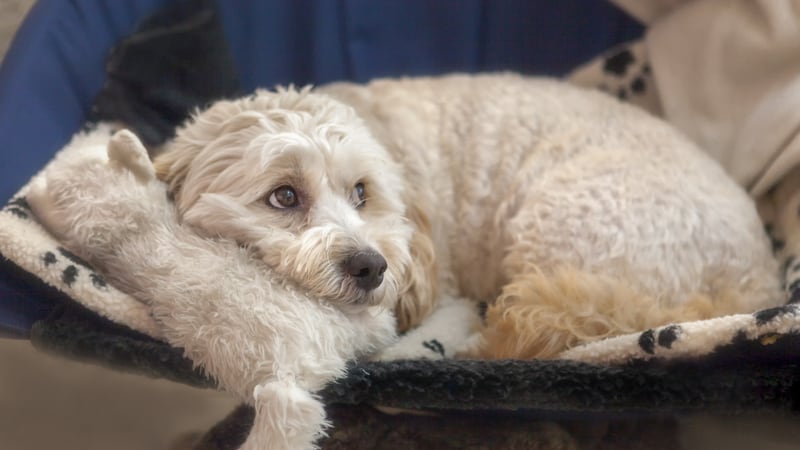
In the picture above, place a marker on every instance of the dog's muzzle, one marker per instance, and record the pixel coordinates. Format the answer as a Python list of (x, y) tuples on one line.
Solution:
[(366, 268)]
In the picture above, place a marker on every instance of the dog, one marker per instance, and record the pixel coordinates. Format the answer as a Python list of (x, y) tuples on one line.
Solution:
[(575, 217), (354, 210)]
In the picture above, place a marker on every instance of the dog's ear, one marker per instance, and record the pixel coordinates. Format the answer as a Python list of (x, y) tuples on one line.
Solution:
[(173, 164), (419, 287)]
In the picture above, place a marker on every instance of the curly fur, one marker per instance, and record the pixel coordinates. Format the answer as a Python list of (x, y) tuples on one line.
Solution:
[(259, 336), (478, 180), (580, 307), (224, 164), (575, 216)]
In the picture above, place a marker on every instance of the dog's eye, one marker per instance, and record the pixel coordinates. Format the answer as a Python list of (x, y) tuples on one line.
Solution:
[(359, 195), (283, 197)]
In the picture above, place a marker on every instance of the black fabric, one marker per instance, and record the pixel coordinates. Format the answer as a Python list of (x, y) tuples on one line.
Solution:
[(633, 400), (365, 428), (176, 61), (73, 331), (745, 376)]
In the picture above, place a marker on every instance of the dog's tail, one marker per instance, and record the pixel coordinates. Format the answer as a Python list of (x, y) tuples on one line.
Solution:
[(540, 315)]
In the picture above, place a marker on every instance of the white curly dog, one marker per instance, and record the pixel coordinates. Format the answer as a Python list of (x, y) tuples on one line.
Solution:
[(302, 219)]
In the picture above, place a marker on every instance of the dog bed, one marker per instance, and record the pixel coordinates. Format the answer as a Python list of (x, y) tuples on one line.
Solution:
[(633, 385)]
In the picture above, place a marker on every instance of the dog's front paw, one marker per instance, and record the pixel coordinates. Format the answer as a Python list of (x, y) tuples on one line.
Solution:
[(93, 196), (287, 418)]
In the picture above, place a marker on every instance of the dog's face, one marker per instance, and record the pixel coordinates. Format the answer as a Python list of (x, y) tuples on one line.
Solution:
[(297, 177)]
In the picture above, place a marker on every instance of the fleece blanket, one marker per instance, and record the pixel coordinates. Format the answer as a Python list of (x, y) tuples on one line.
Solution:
[(739, 363)]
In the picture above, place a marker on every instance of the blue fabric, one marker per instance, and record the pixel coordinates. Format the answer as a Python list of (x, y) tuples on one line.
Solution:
[(50, 75), (55, 66), (307, 41)]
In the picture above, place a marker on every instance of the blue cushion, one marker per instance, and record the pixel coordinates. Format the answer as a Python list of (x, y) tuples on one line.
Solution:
[(306, 41), (55, 66)]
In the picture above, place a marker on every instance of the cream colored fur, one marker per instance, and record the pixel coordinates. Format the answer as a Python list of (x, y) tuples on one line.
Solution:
[(224, 164), (574, 216), (257, 334), (524, 190)]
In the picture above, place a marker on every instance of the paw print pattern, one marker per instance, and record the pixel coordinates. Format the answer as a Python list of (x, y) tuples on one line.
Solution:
[(434, 346), (668, 335), (625, 73), (664, 338), (792, 276), (621, 64), (74, 268), (766, 316), (19, 207)]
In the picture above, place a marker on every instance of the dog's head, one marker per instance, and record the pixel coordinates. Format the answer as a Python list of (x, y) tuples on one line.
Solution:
[(297, 177)]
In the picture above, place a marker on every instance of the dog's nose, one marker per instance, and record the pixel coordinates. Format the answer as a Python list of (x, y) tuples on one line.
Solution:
[(367, 268)]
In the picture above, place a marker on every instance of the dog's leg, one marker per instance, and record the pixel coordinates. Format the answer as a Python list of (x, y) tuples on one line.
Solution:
[(444, 334), (597, 250), (540, 315), (287, 418)]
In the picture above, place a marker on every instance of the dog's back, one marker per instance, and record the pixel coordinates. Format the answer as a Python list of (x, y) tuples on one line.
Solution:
[(524, 176)]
